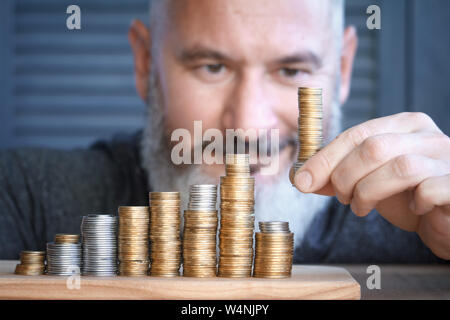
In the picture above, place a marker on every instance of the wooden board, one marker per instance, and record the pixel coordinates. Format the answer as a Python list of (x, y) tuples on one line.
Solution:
[(307, 282)]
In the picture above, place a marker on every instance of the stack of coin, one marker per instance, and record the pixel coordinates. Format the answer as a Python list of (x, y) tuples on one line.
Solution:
[(236, 218), (31, 263), (67, 238), (99, 238), (274, 250), (165, 242), (133, 241), (63, 258), (200, 230), (309, 124)]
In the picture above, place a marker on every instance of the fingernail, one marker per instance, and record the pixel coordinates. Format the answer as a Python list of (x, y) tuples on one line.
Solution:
[(303, 180)]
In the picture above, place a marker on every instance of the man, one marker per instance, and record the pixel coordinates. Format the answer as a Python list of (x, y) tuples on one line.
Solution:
[(237, 64)]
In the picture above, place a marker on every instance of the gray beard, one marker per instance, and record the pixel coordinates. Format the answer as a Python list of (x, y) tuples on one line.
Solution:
[(279, 201)]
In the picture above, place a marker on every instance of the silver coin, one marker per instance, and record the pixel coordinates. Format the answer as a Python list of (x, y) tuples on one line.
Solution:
[(202, 197), (274, 227), (63, 258)]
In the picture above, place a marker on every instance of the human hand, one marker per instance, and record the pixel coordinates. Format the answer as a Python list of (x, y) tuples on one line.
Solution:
[(398, 165)]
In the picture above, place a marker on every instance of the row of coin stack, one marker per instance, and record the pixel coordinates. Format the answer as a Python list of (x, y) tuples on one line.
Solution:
[(97, 253), (273, 255), (112, 245)]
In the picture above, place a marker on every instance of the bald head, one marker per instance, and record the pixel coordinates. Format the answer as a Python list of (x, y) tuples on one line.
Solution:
[(162, 10)]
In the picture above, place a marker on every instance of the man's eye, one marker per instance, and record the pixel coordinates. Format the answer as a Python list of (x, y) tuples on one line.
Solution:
[(212, 73), (289, 72), (215, 68)]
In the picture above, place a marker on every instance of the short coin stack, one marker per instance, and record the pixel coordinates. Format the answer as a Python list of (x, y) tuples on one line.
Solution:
[(133, 240), (165, 242), (31, 263), (99, 238), (67, 238), (64, 255), (274, 250), (200, 230), (236, 218), (309, 124)]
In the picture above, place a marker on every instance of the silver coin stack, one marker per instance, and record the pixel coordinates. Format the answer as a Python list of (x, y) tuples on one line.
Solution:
[(63, 259), (99, 239), (202, 197), (274, 226)]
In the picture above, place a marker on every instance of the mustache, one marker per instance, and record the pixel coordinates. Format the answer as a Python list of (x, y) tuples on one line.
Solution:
[(257, 146)]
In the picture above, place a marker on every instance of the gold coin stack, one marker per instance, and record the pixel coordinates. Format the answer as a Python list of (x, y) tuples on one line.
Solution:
[(200, 231), (274, 250), (31, 263), (236, 218), (309, 124), (133, 240), (67, 238), (165, 242)]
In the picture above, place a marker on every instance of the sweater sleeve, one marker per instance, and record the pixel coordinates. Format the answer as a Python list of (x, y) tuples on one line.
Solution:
[(44, 192), (338, 236)]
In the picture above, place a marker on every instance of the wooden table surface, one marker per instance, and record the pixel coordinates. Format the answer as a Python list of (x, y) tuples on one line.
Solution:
[(397, 282), (306, 282)]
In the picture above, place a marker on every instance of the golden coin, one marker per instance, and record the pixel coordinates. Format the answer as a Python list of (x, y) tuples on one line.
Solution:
[(133, 240), (31, 263), (274, 250), (199, 236), (237, 218), (66, 238), (164, 234)]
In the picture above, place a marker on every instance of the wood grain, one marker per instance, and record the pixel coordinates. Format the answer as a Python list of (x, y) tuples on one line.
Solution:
[(307, 282)]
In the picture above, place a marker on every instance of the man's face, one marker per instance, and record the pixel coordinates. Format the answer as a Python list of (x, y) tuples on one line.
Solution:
[(238, 64)]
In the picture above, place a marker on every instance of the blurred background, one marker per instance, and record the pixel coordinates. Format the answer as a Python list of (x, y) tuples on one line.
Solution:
[(68, 88)]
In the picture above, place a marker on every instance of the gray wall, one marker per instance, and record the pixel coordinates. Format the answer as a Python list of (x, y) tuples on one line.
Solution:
[(414, 62), (429, 80), (65, 89)]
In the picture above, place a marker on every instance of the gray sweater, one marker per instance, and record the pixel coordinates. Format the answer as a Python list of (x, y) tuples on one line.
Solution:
[(45, 191)]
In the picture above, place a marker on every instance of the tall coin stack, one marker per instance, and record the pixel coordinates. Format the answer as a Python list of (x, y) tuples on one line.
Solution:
[(133, 240), (200, 229), (309, 124), (274, 250), (64, 255), (99, 238), (236, 218), (31, 263), (165, 242)]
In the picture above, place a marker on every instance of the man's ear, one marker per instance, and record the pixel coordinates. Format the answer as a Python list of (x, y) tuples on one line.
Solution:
[(139, 38), (350, 43)]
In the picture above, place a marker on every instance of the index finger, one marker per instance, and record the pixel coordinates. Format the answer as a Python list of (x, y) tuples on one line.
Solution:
[(315, 174)]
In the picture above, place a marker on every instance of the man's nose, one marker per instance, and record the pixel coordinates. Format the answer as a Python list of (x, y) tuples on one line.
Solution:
[(250, 105)]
